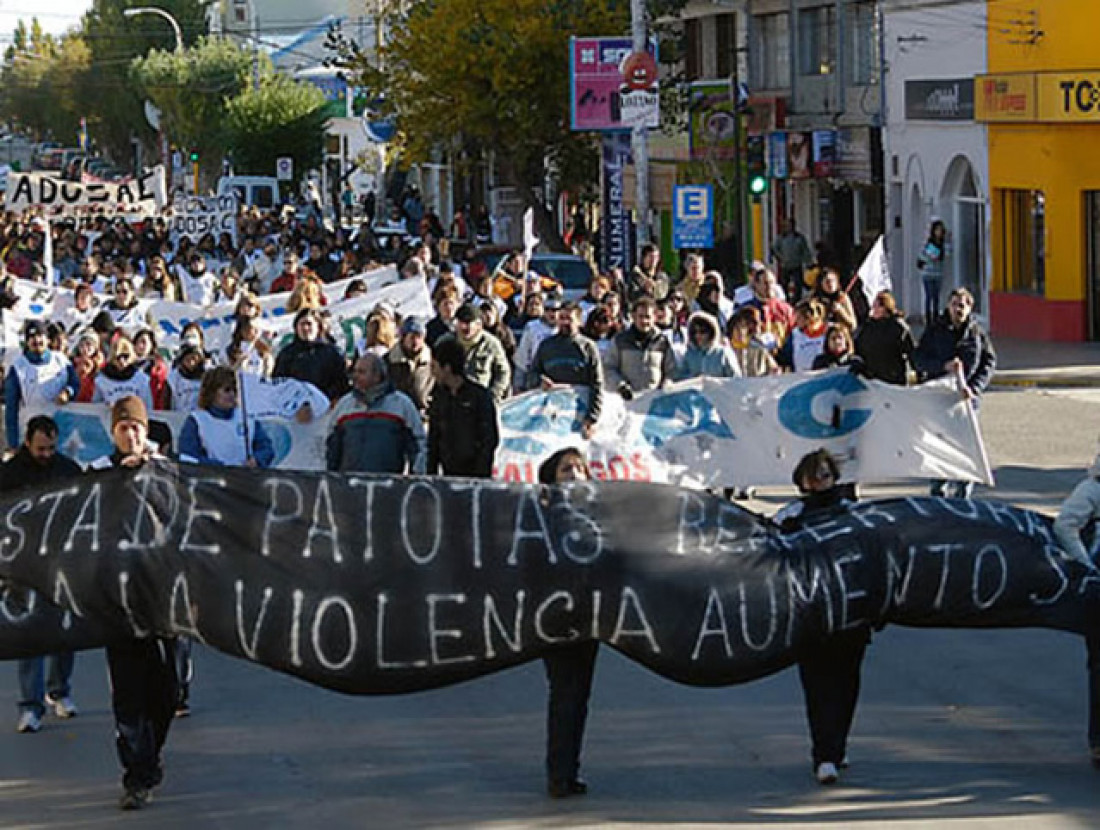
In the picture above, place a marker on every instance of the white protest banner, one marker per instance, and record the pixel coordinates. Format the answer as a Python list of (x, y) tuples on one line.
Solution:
[(143, 195), (745, 432), (266, 398), (196, 216), (37, 300), (407, 297)]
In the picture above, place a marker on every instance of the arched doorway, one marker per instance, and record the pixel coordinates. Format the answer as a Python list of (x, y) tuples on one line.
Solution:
[(966, 227), (916, 226)]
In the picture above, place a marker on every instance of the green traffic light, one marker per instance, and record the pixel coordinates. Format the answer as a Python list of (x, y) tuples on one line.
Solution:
[(758, 185), (194, 158)]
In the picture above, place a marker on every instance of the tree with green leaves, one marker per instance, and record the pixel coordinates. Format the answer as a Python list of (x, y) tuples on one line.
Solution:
[(282, 117), (193, 89), (492, 76), (111, 102)]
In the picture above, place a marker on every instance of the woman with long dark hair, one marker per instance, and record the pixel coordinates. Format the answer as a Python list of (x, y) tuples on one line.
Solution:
[(930, 264)]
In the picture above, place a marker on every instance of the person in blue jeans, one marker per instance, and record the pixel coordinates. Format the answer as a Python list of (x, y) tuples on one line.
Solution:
[(37, 461), (930, 264)]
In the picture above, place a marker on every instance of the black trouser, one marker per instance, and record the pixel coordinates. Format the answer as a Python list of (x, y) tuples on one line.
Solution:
[(829, 671), (569, 673), (185, 668), (1092, 648), (144, 692)]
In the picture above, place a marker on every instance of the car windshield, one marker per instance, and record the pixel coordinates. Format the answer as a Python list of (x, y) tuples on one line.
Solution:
[(573, 274)]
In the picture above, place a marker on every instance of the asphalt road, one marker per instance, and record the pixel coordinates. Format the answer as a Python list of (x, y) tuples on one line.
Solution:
[(956, 729)]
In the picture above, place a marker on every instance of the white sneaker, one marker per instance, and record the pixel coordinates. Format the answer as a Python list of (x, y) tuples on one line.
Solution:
[(826, 773), (28, 722), (63, 707)]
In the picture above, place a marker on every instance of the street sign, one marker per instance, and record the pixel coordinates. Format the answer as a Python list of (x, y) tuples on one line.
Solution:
[(693, 216), (284, 169)]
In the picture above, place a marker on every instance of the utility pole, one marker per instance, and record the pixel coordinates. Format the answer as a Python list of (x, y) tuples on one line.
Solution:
[(639, 138)]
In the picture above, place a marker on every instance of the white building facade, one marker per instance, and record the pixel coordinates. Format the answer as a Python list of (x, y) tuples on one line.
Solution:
[(937, 159)]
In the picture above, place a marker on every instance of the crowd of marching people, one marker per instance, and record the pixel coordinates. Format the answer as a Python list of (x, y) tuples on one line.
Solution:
[(632, 331), (417, 394)]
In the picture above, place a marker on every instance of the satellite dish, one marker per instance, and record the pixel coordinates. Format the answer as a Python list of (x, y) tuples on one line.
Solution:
[(152, 115)]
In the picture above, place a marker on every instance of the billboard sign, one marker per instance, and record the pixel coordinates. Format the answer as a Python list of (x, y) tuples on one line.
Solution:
[(597, 87)]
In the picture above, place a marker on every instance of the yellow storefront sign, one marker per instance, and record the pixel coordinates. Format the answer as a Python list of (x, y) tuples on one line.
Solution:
[(1069, 96), (1043, 97), (1005, 98)]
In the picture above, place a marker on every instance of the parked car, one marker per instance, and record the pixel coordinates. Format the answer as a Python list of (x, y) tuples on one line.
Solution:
[(572, 273)]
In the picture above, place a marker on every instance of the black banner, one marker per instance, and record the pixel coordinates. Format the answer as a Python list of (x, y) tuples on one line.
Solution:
[(376, 585)]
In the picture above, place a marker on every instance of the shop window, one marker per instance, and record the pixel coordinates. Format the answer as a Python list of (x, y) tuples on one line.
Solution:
[(862, 47), (1022, 266), (772, 65), (725, 45), (816, 40), (693, 49)]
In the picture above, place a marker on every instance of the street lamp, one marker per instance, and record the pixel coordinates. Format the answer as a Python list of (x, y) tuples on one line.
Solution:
[(162, 13)]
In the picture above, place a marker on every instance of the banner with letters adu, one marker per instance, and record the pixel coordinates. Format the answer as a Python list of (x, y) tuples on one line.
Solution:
[(143, 195)]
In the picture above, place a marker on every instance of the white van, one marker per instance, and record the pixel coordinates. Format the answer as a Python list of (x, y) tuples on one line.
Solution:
[(258, 191)]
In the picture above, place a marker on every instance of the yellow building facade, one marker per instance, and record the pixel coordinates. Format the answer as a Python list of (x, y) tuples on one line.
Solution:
[(1041, 102)]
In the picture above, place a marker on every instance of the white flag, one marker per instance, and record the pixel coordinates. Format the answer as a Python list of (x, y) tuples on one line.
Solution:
[(530, 241)]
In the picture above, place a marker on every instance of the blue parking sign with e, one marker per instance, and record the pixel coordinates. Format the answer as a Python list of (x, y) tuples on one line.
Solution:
[(693, 216)]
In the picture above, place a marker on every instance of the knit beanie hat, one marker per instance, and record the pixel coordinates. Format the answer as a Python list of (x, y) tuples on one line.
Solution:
[(129, 408)]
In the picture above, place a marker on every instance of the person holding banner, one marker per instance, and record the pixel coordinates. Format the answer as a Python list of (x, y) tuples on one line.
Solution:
[(569, 668), (569, 358), (956, 344), (640, 358), (144, 682), (220, 432), (38, 379), (37, 461), (829, 669)]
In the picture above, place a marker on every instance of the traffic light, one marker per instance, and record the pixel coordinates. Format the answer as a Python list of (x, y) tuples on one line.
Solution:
[(194, 156), (757, 166)]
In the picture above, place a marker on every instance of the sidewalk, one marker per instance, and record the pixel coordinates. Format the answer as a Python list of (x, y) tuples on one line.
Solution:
[(1043, 365)]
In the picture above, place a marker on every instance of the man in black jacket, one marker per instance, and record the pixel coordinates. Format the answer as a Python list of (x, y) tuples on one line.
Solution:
[(462, 419), (38, 462), (144, 684), (956, 343)]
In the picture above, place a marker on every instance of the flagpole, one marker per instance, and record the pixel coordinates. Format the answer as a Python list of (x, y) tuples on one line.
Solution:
[(244, 414)]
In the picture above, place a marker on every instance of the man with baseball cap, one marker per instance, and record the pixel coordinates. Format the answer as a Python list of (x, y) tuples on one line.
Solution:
[(410, 364), (144, 685)]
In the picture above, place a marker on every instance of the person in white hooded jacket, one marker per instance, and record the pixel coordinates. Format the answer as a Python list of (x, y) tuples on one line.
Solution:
[(1080, 508)]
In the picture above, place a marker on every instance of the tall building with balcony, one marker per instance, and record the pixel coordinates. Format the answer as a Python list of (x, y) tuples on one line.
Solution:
[(816, 106)]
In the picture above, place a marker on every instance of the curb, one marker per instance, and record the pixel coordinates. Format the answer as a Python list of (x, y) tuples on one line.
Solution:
[(1046, 382)]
